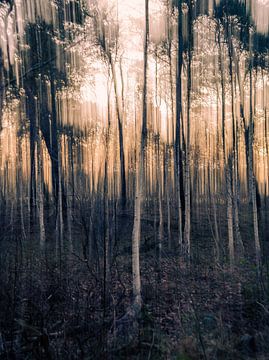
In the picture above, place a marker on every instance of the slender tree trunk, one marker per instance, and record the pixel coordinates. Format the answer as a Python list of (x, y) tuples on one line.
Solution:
[(169, 50), (69, 193), (32, 119), (2, 87), (266, 131), (20, 181), (172, 126), (119, 110), (252, 180), (187, 227), (212, 202), (227, 162), (234, 159), (216, 228), (53, 148), (137, 230), (160, 200), (40, 185), (59, 222), (178, 151), (167, 193), (242, 113), (107, 242), (140, 154), (230, 209)]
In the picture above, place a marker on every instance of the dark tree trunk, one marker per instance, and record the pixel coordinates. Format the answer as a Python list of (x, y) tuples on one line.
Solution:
[(31, 114), (178, 147)]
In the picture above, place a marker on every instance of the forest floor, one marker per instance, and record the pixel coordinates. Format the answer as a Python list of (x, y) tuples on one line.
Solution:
[(56, 309)]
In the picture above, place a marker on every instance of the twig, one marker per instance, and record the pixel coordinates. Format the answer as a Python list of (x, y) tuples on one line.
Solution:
[(151, 345), (264, 308)]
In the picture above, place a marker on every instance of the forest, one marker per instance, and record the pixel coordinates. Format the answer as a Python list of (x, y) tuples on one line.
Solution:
[(134, 179)]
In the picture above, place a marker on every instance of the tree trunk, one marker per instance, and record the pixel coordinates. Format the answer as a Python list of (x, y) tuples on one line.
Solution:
[(31, 113), (40, 185), (187, 227), (120, 128), (140, 154), (59, 222), (252, 180), (227, 160), (178, 151), (234, 159)]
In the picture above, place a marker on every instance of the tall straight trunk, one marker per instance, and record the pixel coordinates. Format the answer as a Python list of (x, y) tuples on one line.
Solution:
[(69, 192), (234, 149), (230, 209), (266, 131), (216, 228), (137, 230), (2, 87), (172, 137), (159, 173), (178, 151), (59, 221), (160, 200), (167, 193), (242, 111), (144, 95), (53, 150), (140, 154), (212, 202), (169, 51), (252, 180), (227, 161), (31, 113), (106, 242), (119, 110), (20, 181), (40, 185), (187, 227)]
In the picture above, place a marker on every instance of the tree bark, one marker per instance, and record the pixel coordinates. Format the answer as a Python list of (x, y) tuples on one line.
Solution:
[(177, 147), (252, 180), (227, 160)]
